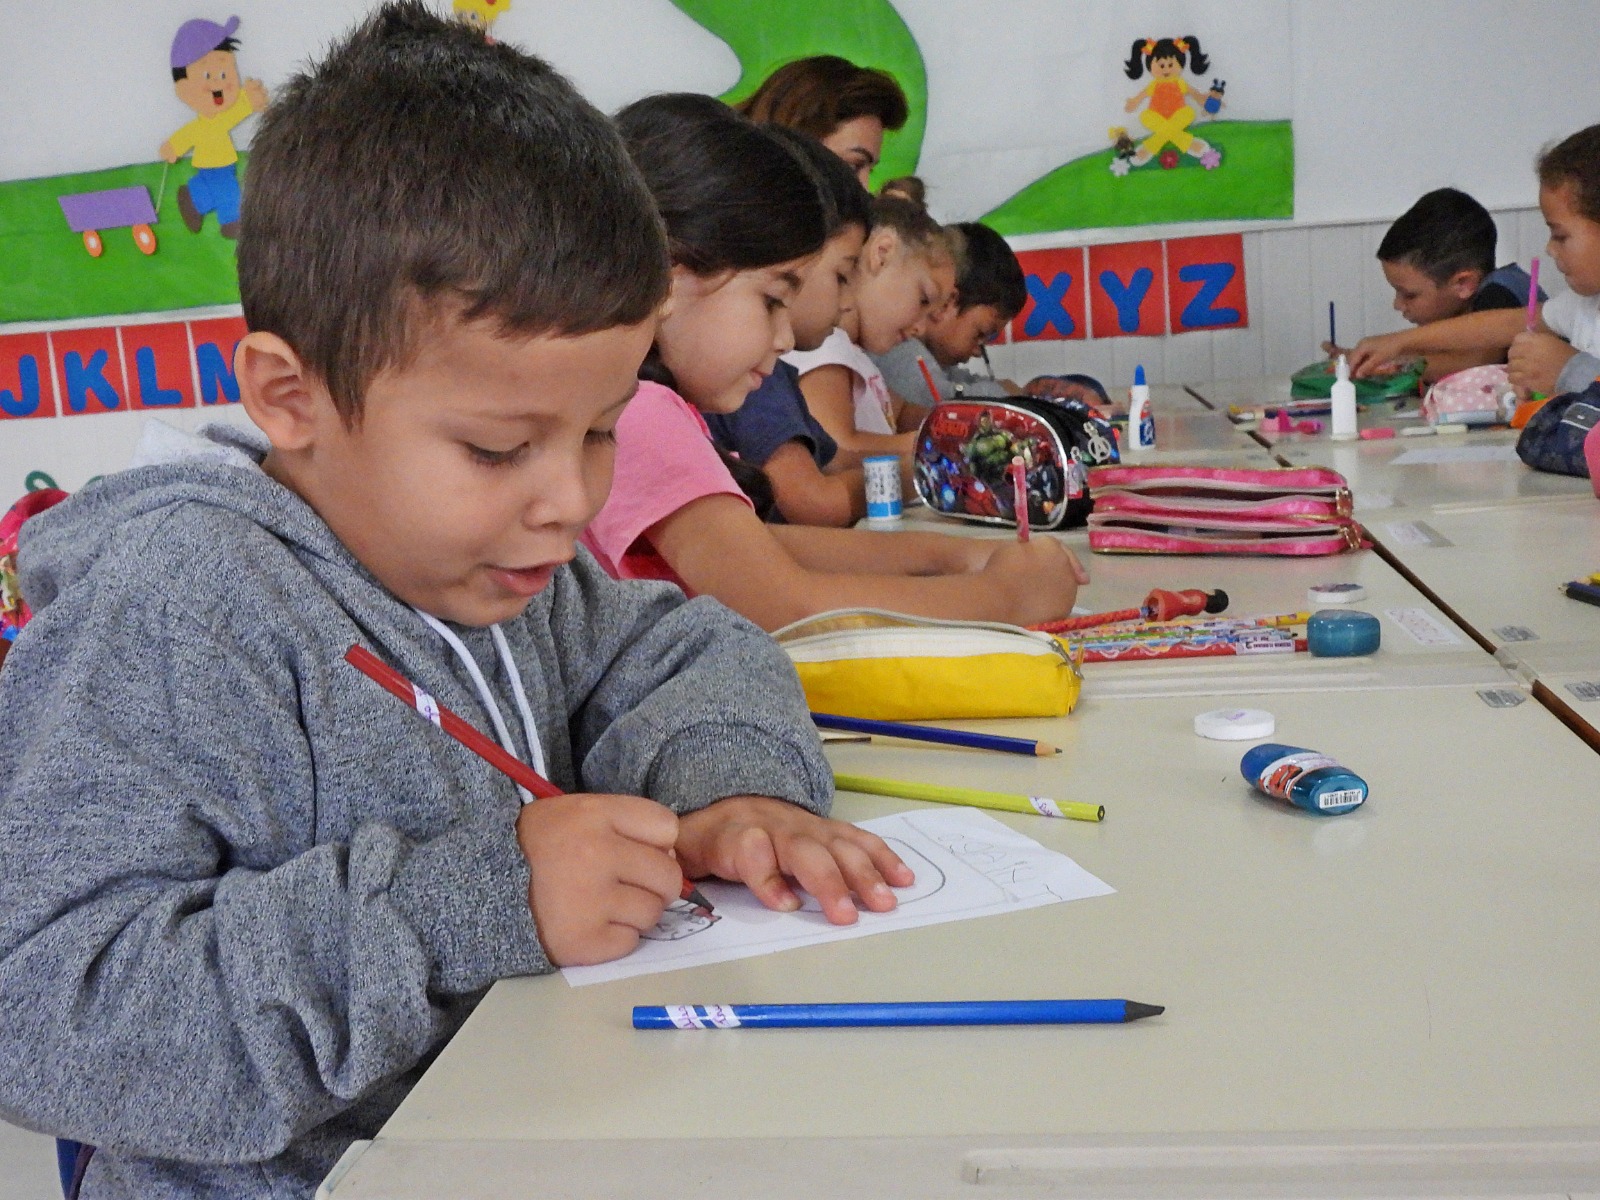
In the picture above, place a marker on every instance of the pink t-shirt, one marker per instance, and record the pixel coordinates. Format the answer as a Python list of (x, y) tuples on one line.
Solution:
[(665, 460)]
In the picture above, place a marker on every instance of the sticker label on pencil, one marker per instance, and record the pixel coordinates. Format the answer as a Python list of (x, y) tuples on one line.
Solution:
[(426, 704), (711, 1016), (1045, 806)]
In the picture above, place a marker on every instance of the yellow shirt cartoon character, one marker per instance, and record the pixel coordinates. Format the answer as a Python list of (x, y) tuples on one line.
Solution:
[(205, 76), (481, 14), (1168, 113)]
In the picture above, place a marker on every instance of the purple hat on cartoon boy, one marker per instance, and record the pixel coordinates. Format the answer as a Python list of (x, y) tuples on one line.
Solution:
[(198, 38)]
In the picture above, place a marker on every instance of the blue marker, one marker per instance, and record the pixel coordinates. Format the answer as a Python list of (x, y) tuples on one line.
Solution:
[(958, 1012)]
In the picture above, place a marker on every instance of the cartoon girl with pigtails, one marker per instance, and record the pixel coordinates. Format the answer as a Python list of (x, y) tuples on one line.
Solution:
[(1169, 114)]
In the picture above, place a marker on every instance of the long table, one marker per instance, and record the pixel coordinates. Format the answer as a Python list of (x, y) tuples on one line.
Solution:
[(1398, 1001)]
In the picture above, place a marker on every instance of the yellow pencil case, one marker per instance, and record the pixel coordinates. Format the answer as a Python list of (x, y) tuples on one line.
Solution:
[(864, 662)]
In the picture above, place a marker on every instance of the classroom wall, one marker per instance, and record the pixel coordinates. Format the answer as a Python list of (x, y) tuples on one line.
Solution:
[(1388, 100)]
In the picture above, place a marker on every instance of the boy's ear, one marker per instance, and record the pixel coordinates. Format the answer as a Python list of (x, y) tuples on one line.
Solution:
[(280, 394), (1464, 284)]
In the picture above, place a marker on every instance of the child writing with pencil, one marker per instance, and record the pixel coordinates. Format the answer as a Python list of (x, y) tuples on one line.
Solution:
[(812, 483), (245, 898), (1438, 258), (1557, 349), (744, 223)]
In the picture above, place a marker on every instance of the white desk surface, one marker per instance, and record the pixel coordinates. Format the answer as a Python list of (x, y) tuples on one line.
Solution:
[(1499, 568), (1422, 967), (1377, 483)]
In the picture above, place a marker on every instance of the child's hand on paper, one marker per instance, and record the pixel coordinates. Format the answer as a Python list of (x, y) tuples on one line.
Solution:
[(1039, 578), (1375, 355), (1535, 360), (601, 873), (770, 845)]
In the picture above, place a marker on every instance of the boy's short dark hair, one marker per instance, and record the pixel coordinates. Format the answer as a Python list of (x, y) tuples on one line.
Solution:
[(844, 200), (990, 272), (1575, 160), (230, 44), (419, 169), (1444, 232)]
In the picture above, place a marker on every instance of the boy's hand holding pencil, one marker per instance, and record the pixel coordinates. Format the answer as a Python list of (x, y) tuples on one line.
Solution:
[(601, 872), (766, 843)]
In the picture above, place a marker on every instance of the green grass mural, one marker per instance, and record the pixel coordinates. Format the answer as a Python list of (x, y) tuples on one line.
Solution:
[(1255, 181), (48, 275)]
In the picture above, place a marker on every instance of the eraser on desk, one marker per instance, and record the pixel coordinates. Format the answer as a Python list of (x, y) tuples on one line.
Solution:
[(1235, 724), (1346, 634), (1382, 431)]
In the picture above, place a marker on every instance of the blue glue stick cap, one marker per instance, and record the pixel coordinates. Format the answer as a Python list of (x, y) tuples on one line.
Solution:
[(1342, 633), (1138, 375)]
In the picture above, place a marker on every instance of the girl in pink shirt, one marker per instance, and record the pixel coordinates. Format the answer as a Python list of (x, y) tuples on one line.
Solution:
[(745, 223)]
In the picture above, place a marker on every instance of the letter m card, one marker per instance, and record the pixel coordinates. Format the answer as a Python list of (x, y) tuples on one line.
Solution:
[(1055, 309), (1127, 296), (1205, 279)]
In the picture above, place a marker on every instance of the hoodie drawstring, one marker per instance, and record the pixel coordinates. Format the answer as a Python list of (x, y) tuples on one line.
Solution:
[(503, 732)]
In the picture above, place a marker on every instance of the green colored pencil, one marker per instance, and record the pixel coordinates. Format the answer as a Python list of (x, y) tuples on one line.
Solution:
[(939, 794)]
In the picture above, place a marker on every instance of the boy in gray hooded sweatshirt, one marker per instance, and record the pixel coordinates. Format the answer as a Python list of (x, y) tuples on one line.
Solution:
[(245, 897)]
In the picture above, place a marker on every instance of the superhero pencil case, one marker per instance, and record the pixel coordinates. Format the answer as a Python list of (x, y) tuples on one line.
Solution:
[(966, 448), (1214, 510), (865, 662)]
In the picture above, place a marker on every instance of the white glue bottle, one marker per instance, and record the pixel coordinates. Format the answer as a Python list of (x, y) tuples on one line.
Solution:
[(1344, 404), (1141, 421)]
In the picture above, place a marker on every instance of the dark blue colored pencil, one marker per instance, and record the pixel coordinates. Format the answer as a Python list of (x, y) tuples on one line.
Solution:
[(958, 1012), (945, 737)]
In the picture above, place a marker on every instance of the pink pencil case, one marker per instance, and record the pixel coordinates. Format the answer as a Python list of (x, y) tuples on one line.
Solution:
[(1220, 510)]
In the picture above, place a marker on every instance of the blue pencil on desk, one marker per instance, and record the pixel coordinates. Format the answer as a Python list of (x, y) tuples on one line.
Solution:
[(1578, 590), (927, 733), (950, 1012)]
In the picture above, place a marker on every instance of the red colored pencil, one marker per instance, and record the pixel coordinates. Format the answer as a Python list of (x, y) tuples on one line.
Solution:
[(1019, 496), (933, 388), (429, 709)]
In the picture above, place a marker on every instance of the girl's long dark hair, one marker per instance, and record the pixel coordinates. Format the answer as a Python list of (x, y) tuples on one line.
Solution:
[(733, 199), (1185, 49)]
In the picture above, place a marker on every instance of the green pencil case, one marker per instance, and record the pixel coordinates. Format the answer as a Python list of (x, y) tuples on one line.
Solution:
[(1315, 382)]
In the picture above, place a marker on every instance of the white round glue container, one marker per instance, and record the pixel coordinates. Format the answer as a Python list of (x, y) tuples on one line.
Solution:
[(1235, 724), (1336, 593)]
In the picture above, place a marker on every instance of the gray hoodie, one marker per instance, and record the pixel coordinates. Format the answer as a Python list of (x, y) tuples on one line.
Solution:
[(245, 895)]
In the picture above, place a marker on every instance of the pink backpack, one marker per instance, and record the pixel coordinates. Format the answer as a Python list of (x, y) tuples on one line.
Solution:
[(14, 612)]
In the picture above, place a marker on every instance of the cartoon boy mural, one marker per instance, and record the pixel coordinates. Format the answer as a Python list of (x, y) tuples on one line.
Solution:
[(205, 76)]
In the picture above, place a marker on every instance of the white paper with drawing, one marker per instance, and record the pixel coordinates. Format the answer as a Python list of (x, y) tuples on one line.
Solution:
[(967, 864)]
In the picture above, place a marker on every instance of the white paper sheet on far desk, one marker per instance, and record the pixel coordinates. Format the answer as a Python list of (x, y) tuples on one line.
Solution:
[(1433, 456), (967, 864)]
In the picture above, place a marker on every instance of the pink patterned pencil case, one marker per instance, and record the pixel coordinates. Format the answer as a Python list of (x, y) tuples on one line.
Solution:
[(1221, 510)]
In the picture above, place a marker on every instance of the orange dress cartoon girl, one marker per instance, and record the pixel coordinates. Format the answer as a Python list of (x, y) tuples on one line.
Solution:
[(1168, 113)]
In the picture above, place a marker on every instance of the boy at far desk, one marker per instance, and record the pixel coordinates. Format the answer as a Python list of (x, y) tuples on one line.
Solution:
[(1439, 259), (245, 896)]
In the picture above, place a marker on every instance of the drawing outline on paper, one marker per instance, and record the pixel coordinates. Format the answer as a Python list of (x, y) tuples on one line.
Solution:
[(966, 863)]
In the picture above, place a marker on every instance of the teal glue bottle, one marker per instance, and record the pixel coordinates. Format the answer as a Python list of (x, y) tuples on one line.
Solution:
[(1304, 778)]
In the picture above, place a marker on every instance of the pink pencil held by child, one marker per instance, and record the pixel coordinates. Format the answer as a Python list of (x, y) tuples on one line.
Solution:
[(1533, 295), (1019, 485)]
